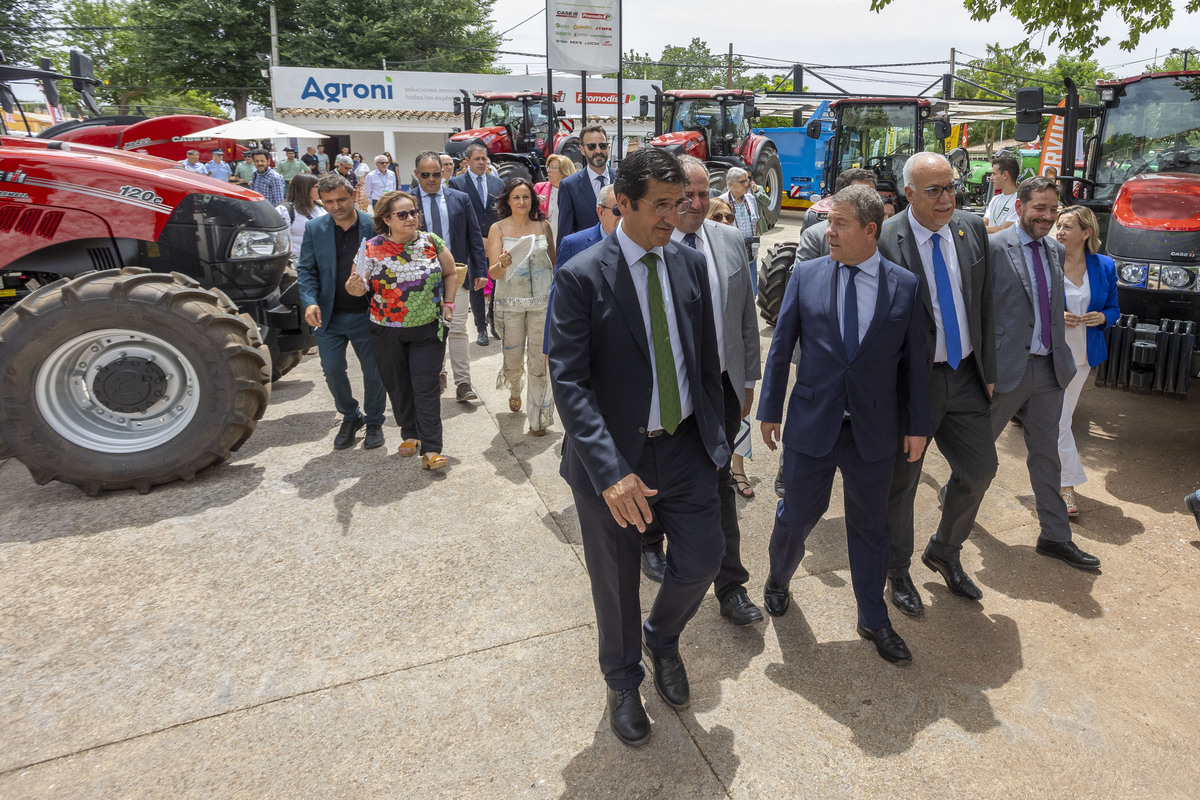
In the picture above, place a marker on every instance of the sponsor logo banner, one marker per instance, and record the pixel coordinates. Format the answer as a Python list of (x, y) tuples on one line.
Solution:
[(583, 48)]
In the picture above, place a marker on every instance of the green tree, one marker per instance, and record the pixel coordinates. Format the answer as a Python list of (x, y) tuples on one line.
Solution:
[(1177, 61), (104, 31), (1073, 26), (21, 37), (690, 67)]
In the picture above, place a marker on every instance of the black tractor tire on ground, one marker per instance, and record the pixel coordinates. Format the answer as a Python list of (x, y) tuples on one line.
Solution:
[(573, 151), (507, 170), (716, 177), (768, 174), (773, 273), (283, 363), (126, 379)]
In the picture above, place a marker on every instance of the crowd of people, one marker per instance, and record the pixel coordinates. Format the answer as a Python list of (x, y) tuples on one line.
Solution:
[(631, 313)]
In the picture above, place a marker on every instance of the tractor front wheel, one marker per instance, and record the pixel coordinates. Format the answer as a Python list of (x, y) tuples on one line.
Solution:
[(773, 278), (768, 174)]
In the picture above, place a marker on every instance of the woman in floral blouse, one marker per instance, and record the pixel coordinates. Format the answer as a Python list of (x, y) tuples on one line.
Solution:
[(408, 273)]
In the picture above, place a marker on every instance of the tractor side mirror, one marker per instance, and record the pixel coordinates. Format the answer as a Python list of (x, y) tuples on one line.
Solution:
[(458, 105), (49, 87), (1029, 113), (643, 106), (941, 130), (82, 79), (749, 111), (562, 112), (813, 130)]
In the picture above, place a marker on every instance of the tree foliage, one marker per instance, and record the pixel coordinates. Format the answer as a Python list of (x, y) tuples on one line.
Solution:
[(20, 33), (1072, 26), (690, 67)]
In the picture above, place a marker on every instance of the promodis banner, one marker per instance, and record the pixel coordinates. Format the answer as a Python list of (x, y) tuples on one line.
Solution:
[(581, 35)]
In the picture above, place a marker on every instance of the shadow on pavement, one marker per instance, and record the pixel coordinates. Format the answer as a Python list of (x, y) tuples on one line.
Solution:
[(1020, 573), (294, 429)]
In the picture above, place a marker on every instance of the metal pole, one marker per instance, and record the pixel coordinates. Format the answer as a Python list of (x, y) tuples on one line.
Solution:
[(952, 60), (729, 68), (274, 38), (583, 97), (619, 150)]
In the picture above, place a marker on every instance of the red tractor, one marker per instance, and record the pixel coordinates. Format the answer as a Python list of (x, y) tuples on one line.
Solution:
[(519, 130), (136, 298), (714, 126)]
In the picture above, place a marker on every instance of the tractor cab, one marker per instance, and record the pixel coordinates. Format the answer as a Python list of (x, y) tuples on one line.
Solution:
[(710, 125), (519, 129)]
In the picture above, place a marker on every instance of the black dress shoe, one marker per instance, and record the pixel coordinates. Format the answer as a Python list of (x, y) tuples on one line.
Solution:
[(888, 644), (1068, 552), (482, 339), (779, 482), (345, 434), (374, 437), (670, 679), (905, 596), (951, 571), (740, 610), (654, 565), (627, 717), (776, 599)]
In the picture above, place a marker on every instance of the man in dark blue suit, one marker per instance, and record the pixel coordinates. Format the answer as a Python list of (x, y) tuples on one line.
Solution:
[(577, 192), (637, 381), (856, 317), (483, 188), (339, 319), (448, 213)]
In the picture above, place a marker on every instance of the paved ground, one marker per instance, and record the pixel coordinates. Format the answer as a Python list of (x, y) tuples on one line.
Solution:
[(303, 622)]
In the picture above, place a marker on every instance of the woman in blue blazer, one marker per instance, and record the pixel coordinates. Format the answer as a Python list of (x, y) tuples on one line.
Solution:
[(1091, 306)]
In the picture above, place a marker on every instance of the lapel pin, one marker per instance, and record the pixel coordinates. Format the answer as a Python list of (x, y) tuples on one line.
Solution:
[(960, 233)]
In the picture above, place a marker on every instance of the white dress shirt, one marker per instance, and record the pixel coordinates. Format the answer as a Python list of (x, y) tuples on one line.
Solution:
[(378, 183), (595, 177), (866, 287), (950, 254), (714, 285), (633, 253)]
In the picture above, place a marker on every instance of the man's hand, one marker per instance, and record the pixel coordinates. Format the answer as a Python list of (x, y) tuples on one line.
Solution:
[(480, 283), (312, 315), (914, 446), (627, 501), (991, 387), (770, 434), (749, 402)]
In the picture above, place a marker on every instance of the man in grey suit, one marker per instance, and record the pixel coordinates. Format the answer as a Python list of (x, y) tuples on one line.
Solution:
[(741, 365), (1033, 363), (948, 251)]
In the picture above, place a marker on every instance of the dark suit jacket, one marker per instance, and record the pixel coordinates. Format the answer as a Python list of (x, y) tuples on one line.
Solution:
[(577, 202), (887, 376), (896, 243), (466, 238), (1016, 304), (600, 366), (316, 270), (576, 243), (485, 209)]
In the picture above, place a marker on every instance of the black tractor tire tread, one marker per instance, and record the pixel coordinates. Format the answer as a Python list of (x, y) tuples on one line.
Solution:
[(768, 161), (180, 295), (717, 177), (774, 270)]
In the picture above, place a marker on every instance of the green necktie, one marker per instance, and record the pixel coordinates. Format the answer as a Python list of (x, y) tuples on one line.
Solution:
[(664, 357)]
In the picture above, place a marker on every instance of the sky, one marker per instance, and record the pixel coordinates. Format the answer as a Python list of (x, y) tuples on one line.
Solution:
[(905, 31)]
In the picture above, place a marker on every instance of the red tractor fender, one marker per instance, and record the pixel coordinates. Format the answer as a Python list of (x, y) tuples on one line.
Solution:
[(163, 137), (561, 140), (753, 147)]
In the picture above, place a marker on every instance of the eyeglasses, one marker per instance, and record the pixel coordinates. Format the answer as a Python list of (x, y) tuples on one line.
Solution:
[(614, 210), (743, 180), (935, 192), (596, 145), (723, 218), (428, 175), (680, 207), (403, 215)]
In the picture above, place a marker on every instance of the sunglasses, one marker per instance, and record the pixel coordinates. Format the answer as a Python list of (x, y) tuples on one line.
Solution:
[(596, 145), (403, 215), (614, 210), (428, 175), (723, 218)]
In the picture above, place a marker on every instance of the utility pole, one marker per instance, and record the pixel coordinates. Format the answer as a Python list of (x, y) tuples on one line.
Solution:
[(729, 68), (952, 59), (274, 38)]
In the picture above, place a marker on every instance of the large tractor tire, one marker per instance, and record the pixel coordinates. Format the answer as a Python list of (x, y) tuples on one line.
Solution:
[(768, 174), (127, 379), (282, 363), (773, 274), (717, 174), (507, 170), (572, 150)]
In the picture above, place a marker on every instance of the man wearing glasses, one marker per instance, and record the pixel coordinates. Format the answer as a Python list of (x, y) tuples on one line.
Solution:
[(578, 192), (948, 250), (637, 380)]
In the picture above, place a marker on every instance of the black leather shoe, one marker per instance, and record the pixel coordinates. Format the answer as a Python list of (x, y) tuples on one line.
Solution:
[(779, 482), (654, 565), (740, 609), (345, 434), (374, 437), (888, 644), (905, 596), (627, 717), (1068, 552), (951, 571), (670, 679), (482, 339), (776, 599)]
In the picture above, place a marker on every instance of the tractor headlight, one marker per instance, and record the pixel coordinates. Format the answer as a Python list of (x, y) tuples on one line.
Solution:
[(1176, 277), (250, 244), (1131, 274)]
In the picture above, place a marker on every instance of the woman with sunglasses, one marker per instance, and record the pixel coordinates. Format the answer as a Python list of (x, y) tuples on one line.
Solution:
[(719, 211), (409, 274), (522, 292)]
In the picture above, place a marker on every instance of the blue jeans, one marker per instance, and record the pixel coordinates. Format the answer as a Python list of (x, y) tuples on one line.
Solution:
[(332, 337)]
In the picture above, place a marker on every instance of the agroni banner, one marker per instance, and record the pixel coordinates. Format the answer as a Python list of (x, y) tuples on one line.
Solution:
[(297, 87), (581, 35)]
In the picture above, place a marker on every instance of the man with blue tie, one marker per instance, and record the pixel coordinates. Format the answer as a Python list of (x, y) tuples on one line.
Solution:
[(448, 213), (1033, 362), (947, 250), (861, 395), (483, 188), (637, 380), (577, 192)]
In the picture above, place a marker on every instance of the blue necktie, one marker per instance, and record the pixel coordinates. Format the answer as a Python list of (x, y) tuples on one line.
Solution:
[(435, 214), (850, 315), (945, 292), (690, 240)]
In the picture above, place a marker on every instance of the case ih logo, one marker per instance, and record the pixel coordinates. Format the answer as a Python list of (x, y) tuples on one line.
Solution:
[(590, 15), (571, 14)]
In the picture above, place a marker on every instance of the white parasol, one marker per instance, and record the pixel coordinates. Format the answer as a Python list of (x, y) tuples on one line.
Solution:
[(258, 128)]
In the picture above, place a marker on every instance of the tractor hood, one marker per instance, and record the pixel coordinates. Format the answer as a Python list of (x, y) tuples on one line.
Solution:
[(683, 142), (1163, 202), (494, 139), (486, 135)]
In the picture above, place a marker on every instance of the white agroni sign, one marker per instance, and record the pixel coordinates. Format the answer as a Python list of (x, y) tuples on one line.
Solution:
[(581, 35)]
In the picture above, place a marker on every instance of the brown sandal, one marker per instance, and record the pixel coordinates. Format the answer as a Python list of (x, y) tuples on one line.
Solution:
[(742, 484), (433, 461), (514, 404), (540, 432), (409, 447)]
